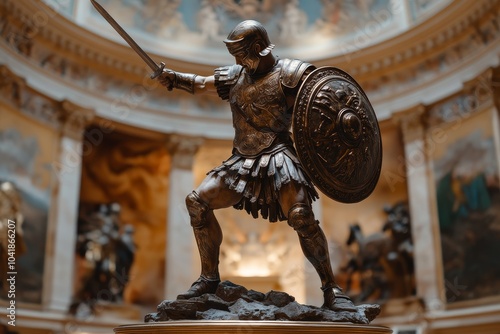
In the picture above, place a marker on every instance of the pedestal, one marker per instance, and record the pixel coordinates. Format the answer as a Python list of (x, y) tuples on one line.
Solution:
[(253, 327)]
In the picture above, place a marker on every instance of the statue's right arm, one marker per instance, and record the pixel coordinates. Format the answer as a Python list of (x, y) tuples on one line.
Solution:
[(205, 85), (192, 83)]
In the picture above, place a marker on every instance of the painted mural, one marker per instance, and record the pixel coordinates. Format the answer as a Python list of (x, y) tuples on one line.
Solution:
[(26, 151), (468, 201), (213, 19), (306, 29), (182, 26)]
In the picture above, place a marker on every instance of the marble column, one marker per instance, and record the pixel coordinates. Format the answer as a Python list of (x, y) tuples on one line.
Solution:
[(64, 211), (181, 254), (427, 252), (483, 93), (495, 86), (495, 96)]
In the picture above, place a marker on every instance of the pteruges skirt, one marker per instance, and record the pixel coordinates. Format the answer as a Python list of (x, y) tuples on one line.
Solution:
[(260, 178)]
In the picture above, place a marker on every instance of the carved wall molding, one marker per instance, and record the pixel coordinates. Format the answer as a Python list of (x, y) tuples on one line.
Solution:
[(407, 66), (476, 95), (448, 27), (19, 95), (75, 56), (388, 71), (65, 116)]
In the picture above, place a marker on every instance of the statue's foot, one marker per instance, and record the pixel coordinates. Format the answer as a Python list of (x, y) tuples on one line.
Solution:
[(336, 300), (201, 286)]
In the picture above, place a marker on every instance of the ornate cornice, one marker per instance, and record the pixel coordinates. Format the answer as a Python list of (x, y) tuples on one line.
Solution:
[(397, 67), (458, 20), (64, 116), (476, 19), (425, 54), (476, 95), (91, 63), (19, 95)]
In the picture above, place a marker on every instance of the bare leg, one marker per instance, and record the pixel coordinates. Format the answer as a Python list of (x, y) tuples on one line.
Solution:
[(313, 243)]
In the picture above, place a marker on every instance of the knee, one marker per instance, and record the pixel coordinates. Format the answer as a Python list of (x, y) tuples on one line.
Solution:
[(197, 209), (301, 219)]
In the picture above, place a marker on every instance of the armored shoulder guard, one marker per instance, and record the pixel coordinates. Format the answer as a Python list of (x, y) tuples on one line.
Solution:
[(292, 71), (225, 77)]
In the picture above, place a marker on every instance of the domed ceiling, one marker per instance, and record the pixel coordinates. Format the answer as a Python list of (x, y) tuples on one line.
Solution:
[(193, 30)]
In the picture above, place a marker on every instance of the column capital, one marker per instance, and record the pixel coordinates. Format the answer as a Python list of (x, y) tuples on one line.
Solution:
[(74, 119), (480, 85), (11, 86), (479, 90), (411, 122), (495, 85), (476, 95), (183, 150)]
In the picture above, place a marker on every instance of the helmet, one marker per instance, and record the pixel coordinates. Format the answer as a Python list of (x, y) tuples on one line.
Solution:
[(245, 35)]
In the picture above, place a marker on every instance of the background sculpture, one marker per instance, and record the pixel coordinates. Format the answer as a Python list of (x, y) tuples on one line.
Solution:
[(383, 260), (106, 251), (10, 210)]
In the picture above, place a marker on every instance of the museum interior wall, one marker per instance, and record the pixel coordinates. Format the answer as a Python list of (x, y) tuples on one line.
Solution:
[(96, 160)]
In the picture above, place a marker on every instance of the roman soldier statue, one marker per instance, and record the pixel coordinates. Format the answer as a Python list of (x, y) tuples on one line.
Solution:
[(264, 173)]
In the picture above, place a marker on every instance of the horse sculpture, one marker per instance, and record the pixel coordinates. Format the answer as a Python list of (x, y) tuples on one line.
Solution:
[(383, 258)]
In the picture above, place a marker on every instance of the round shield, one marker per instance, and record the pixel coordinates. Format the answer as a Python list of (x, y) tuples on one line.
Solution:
[(337, 135)]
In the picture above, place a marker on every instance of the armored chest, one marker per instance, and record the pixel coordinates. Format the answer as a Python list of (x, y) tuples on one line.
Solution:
[(259, 112), (261, 102)]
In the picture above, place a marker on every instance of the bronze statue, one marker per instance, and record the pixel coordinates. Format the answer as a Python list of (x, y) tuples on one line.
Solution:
[(335, 129), (264, 173)]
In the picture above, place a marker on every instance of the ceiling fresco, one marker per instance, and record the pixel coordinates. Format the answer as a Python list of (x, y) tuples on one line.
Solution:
[(309, 29)]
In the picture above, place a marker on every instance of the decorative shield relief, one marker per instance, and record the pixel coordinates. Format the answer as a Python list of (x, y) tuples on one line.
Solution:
[(337, 135)]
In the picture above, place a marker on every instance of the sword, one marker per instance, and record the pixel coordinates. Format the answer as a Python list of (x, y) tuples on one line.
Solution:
[(158, 69)]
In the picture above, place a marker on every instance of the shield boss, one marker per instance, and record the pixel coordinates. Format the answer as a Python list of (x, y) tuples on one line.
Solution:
[(337, 135)]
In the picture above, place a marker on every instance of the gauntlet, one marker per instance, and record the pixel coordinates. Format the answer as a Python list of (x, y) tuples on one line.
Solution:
[(183, 81)]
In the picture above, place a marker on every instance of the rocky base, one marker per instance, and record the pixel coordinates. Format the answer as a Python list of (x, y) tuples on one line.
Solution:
[(235, 302)]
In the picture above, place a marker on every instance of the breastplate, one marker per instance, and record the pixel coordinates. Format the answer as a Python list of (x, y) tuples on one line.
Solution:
[(259, 112)]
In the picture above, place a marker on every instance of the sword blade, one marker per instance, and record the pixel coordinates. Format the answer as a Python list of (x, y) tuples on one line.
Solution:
[(150, 62)]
